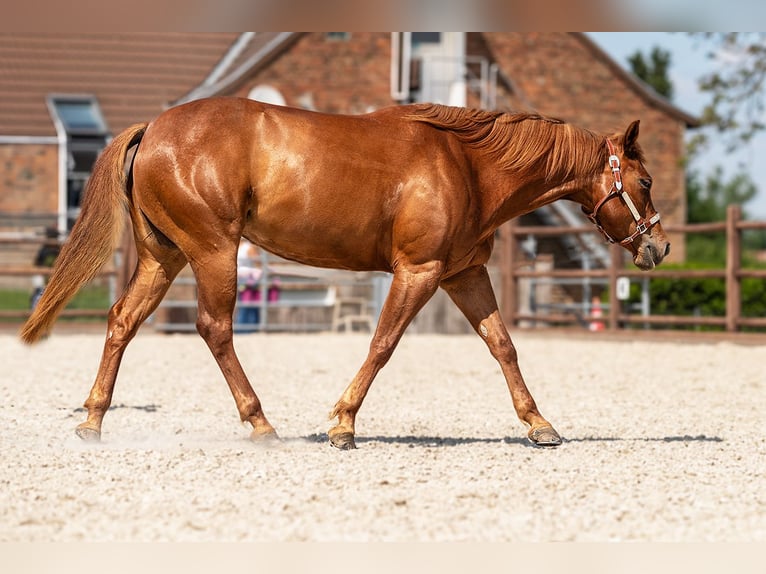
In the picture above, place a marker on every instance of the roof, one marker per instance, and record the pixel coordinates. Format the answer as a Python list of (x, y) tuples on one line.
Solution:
[(255, 50), (134, 76), (643, 89), (249, 53)]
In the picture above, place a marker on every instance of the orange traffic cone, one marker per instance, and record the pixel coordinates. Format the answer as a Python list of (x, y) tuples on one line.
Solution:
[(596, 314)]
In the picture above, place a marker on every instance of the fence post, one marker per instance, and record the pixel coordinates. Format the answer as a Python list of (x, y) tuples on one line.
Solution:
[(615, 264), (733, 263), (508, 301)]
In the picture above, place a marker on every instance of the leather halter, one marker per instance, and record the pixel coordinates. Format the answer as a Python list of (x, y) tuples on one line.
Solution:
[(642, 224)]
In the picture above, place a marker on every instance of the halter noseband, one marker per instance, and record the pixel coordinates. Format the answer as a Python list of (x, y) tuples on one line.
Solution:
[(642, 225)]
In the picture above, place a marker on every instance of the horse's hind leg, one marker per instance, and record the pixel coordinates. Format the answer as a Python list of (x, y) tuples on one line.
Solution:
[(148, 285), (472, 292), (216, 296), (410, 290)]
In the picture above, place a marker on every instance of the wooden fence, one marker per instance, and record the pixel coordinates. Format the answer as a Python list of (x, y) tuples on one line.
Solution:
[(512, 271), (733, 274), (309, 298), (111, 274)]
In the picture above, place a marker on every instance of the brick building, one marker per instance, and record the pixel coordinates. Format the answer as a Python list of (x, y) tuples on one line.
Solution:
[(62, 96)]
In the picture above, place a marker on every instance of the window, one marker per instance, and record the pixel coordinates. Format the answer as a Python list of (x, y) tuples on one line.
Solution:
[(426, 38), (80, 122), (338, 36), (79, 117)]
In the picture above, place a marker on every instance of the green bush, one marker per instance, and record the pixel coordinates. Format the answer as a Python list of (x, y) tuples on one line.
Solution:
[(753, 298), (703, 297)]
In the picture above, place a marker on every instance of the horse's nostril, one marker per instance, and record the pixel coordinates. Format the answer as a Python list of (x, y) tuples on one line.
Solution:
[(667, 249)]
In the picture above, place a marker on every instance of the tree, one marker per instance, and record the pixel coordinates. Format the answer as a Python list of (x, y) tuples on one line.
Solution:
[(736, 85), (707, 200), (654, 70)]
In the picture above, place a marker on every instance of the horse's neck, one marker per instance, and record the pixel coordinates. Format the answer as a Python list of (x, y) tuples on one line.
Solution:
[(512, 197)]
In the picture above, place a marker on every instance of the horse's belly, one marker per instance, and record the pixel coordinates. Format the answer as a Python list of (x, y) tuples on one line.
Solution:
[(336, 246)]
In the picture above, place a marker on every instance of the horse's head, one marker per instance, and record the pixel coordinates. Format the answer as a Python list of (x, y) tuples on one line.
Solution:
[(622, 204)]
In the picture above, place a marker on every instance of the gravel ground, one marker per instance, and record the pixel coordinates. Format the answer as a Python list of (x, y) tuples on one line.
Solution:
[(662, 442)]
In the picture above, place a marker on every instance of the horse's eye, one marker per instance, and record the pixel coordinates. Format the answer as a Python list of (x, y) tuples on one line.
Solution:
[(645, 183)]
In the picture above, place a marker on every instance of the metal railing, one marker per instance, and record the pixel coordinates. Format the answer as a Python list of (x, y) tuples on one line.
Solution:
[(306, 299)]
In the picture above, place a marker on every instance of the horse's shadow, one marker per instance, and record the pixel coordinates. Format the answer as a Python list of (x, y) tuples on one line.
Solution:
[(414, 441)]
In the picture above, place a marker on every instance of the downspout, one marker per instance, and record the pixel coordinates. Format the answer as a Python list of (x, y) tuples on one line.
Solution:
[(61, 138)]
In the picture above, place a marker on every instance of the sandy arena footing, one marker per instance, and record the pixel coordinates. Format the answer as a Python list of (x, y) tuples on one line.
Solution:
[(662, 442)]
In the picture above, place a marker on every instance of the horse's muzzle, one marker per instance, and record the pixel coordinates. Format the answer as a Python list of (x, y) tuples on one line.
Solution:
[(651, 252)]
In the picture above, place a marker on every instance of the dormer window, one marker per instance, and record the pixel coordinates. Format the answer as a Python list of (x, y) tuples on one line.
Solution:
[(81, 125)]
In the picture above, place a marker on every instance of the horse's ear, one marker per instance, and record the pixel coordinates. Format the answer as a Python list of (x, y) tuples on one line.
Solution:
[(630, 142)]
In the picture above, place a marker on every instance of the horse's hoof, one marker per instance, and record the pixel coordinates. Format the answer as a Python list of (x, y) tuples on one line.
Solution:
[(88, 434), (343, 441), (544, 436), (265, 438)]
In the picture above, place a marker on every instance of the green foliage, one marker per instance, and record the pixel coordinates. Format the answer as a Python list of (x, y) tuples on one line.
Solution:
[(737, 104), (753, 240), (708, 200), (687, 297), (706, 247), (736, 84), (753, 297), (653, 70), (699, 297)]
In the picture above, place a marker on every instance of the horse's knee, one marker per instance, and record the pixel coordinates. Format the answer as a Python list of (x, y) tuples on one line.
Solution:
[(215, 332)]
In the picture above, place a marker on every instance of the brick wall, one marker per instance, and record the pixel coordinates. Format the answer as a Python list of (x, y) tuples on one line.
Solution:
[(28, 179), (28, 201), (331, 75)]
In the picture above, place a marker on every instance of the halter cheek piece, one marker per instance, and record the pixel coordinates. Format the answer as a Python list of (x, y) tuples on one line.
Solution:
[(642, 224)]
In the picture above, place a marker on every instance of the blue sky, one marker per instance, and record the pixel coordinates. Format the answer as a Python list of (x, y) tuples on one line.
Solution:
[(689, 62)]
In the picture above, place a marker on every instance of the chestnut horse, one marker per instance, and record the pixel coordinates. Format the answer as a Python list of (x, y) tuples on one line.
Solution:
[(417, 191)]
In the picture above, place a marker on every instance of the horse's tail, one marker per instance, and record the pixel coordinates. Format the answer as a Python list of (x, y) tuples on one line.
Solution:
[(94, 237)]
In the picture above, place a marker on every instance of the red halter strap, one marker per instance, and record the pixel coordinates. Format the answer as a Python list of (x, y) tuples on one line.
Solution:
[(642, 224)]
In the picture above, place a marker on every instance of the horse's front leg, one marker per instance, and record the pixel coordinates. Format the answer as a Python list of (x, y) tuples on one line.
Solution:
[(411, 288), (472, 292)]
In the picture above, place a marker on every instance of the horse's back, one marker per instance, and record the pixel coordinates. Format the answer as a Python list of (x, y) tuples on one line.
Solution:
[(242, 118)]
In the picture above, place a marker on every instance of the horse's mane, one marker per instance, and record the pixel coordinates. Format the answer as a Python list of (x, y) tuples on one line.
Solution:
[(520, 142)]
